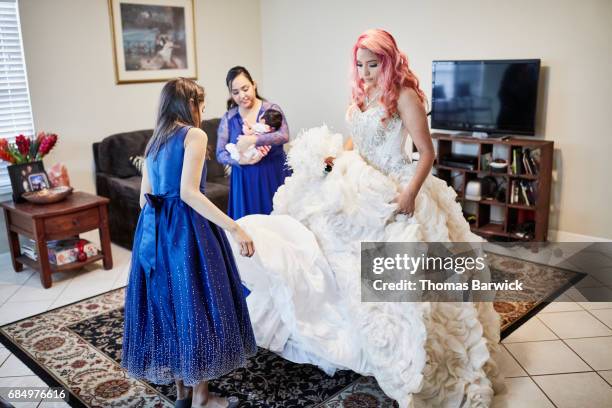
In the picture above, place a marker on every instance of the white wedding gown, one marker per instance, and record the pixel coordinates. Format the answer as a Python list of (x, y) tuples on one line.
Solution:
[(305, 275)]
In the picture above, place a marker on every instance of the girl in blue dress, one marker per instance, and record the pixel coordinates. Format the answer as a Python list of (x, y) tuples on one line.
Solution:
[(186, 318), (253, 181)]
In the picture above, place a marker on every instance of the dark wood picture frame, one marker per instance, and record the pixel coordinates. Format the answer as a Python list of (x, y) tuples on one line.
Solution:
[(20, 177)]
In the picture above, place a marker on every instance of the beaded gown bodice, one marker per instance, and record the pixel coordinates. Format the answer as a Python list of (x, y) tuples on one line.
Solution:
[(380, 144)]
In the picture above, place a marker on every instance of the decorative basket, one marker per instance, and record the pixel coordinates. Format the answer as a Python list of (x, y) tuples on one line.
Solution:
[(48, 195)]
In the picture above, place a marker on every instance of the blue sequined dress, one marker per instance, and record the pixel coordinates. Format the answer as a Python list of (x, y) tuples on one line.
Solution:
[(185, 313)]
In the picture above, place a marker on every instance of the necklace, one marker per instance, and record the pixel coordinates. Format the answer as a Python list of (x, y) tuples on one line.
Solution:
[(369, 100)]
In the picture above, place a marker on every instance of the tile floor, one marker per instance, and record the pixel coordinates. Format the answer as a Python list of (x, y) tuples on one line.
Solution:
[(561, 358)]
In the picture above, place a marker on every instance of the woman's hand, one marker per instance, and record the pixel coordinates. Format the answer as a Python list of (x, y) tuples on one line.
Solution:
[(245, 141), (264, 150), (406, 202), (244, 161), (247, 248)]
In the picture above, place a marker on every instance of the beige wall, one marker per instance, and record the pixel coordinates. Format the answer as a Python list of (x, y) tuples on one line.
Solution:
[(69, 58), (306, 47), (299, 51)]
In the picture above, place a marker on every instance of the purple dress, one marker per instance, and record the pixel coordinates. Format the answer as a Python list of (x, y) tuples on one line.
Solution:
[(253, 186)]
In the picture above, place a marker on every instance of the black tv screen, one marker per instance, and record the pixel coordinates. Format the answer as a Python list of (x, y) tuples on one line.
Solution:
[(492, 96)]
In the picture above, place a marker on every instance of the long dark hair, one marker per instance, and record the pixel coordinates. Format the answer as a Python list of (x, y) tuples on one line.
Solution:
[(177, 98), (229, 78)]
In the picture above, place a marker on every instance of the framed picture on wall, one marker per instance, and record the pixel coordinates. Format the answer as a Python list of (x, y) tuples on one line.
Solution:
[(153, 40)]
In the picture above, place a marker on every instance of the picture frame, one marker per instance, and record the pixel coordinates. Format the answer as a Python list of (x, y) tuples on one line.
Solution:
[(38, 181), (20, 178), (153, 40)]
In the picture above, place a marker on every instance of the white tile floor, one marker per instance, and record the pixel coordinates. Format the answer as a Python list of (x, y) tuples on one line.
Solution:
[(562, 357)]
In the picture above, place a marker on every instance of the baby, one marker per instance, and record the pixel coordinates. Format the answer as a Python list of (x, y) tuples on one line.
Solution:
[(270, 121)]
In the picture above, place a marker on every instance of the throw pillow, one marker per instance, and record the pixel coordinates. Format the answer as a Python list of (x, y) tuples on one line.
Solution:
[(137, 162)]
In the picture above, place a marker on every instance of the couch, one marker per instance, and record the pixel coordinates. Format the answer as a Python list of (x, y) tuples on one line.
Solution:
[(119, 180)]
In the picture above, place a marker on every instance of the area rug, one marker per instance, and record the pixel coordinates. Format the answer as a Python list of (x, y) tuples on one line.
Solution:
[(78, 347), (545, 283)]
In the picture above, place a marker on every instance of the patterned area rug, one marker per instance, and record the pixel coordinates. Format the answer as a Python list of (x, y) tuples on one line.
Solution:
[(79, 347), (545, 282)]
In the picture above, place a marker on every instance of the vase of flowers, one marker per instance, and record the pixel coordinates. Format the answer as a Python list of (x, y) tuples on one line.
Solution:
[(26, 169)]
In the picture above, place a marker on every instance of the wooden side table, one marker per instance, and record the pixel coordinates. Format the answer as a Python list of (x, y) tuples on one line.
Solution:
[(78, 213)]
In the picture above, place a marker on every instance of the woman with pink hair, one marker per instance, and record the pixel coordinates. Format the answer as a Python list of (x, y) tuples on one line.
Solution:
[(308, 300), (382, 80)]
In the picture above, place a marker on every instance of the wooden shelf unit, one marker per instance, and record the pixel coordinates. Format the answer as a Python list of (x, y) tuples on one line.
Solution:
[(539, 212)]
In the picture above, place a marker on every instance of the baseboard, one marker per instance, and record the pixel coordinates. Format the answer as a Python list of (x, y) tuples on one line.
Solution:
[(565, 236)]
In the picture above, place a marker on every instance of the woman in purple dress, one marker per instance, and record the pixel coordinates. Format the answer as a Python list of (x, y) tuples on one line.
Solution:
[(253, 181)]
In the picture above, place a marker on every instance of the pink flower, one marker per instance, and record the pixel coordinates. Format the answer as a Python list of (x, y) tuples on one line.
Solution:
[(46, 144)]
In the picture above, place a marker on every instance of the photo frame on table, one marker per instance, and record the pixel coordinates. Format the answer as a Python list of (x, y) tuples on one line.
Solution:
[(153, 40), (27, 177), (38, 181)]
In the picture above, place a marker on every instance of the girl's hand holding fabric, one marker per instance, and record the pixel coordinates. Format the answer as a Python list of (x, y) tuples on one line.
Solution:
[(247, 248)]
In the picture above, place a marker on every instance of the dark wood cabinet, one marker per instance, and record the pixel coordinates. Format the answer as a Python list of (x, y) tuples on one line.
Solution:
[(515, 213)]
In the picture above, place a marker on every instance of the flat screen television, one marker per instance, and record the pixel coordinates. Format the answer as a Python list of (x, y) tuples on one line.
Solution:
[(490, 96)]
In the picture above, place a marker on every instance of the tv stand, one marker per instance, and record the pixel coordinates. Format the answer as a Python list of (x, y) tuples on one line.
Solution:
[(480, 135), (527, 209), (485, 135)]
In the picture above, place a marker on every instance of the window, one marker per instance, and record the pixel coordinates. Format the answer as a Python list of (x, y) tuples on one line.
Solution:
[(15, 108)]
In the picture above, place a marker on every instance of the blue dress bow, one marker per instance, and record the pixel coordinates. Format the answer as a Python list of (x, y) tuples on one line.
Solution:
[(151, 216)]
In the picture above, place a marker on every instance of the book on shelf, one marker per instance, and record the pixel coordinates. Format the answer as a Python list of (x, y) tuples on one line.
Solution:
[(526, 200), (522, 192), (525, 161), (526, 166), (28, 248), (61, 252), (534, 156), (514, 192), (485, 161), (531, 192)]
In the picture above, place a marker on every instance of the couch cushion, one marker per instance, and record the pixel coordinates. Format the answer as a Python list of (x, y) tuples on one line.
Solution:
[(219, 180), (214, 168), (114, 152), (215, 190), (125, 188), (129, 188)]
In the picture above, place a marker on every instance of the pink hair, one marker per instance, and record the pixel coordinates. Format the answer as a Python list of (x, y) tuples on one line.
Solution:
[(395, 73)]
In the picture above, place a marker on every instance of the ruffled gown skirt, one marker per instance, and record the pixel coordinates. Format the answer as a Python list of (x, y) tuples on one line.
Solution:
[(305, 286)]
